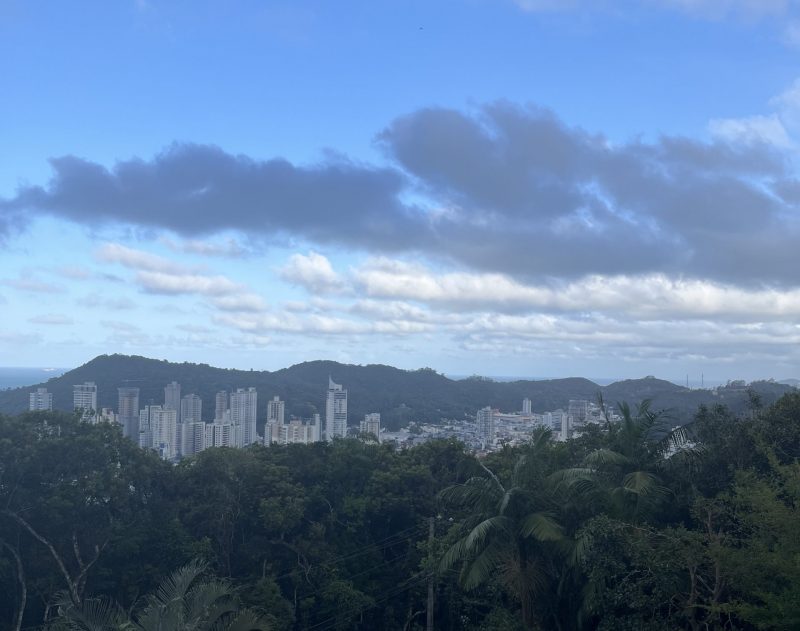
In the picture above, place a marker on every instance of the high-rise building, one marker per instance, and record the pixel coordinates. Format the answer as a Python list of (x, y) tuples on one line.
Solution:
[(84, 398), (372, 425), (485, 422), (220, 433), (128, 412), (221, 405), (193, 436), (191, 409), (164, 431), (243, 415), (578, 409), (172, 398), (335, 411), (566, 426), (40, 400), (526, 406), (276, 410)]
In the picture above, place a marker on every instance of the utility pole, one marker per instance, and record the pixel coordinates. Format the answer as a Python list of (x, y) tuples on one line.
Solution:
[(429, 626)]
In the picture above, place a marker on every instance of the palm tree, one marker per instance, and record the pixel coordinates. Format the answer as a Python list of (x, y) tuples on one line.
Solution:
[(182, 602), (505, 528), (625, 476)]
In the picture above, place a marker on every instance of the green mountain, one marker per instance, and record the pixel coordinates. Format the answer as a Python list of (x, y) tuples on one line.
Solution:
[(399, 395)]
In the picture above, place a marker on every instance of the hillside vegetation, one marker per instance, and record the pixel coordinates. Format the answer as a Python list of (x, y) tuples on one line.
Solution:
[(637, 525)]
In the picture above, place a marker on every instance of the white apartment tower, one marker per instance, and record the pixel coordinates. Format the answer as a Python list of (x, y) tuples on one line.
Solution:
[(485, 421), (335, 411), (40, 400), (191, 409), (220, 405), (243, 415), (84, 398), (526, 406), (372, 425), (172, 398), (164, 431), (276, 410)]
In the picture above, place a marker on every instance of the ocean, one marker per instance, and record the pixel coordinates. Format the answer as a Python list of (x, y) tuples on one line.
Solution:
[(13, 377)]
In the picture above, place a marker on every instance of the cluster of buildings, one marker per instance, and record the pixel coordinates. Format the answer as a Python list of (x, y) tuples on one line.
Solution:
[(175, 428), (492, 428)]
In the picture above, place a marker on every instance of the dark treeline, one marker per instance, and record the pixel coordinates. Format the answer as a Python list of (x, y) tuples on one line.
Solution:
[(637, 525)]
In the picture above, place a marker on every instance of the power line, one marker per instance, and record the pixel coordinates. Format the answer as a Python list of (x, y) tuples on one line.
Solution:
[(388, 542), (330, 622)]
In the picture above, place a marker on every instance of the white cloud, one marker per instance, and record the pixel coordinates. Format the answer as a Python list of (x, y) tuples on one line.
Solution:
[(312, 271), (28, 283), (767, 129), (648, 297), (115, 303), (240, 302), (137, 259), (51, 318), (717, 9), (174, 284)]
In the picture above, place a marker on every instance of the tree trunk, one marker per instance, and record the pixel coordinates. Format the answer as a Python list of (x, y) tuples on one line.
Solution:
[(23, 589)]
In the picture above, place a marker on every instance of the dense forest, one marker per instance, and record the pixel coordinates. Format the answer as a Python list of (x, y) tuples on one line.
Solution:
[(636, 525), (399, 395)]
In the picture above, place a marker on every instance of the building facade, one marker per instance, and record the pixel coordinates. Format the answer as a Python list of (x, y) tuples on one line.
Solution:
[(485, 429), (84, 398), (172, 398), (191, 409), (40, 400), (335, 411), (276, 410), (372, 425), (128, 412), (243, 415)]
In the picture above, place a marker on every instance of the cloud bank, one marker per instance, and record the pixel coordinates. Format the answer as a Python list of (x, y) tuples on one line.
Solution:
[(504, 189)]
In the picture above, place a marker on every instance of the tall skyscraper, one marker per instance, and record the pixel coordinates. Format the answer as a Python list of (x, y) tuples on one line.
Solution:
[(243, 415), (128, 412), (84, 398), (335, 411), (526, 406), (276, 410), (172, 398), (485, 419), (40, 400), (191, 409), (221, 405), (372, 425)]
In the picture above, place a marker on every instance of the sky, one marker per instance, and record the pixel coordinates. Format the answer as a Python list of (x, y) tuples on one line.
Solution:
[(539, 188)]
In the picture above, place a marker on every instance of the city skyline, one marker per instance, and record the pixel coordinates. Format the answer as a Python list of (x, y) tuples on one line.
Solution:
[(498, 188)]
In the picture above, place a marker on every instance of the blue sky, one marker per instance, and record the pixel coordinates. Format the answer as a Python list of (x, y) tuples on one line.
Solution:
[(479, 186)]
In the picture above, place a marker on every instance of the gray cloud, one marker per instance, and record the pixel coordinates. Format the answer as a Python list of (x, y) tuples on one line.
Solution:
[(506, 189), (196, 190)]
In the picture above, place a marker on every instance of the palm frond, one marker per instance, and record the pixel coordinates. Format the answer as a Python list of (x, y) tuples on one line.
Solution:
[(93, 614), (542, 526), (478, 534), (475, 492), (605, 458), (247, 620), (641, 483), (480, 569)]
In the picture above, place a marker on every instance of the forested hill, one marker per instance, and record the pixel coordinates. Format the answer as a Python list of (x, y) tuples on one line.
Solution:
[(399, 395)]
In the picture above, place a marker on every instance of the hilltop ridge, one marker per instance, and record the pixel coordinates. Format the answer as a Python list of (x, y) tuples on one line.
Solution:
[(399, 395)]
